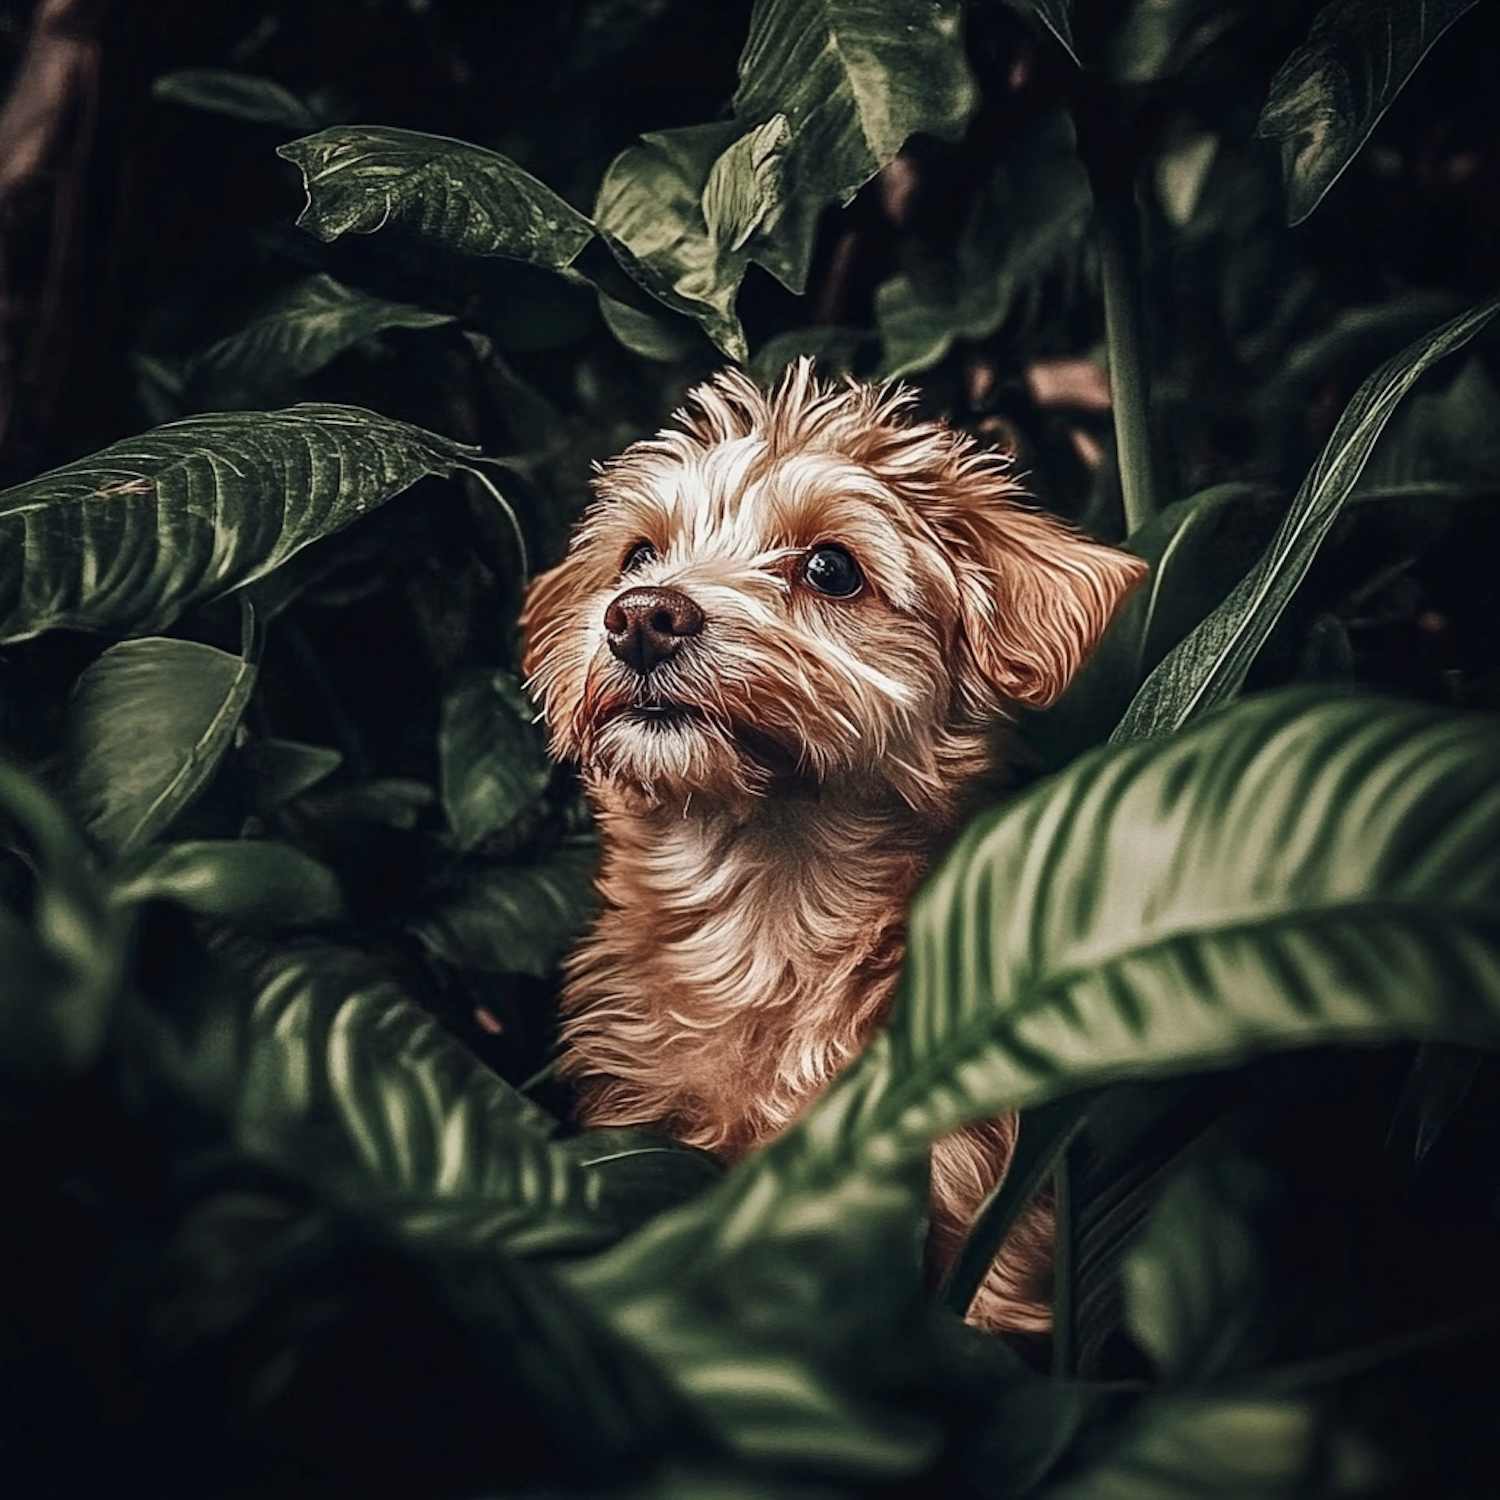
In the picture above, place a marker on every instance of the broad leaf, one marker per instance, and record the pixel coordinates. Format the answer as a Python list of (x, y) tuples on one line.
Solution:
[(126, 539), (1033, 212), (1159, 38), (252, 883), (513, 919), (854, 80), (492, 757), (1329, 95), (363, 178), (241, 96), (347, 1078), (146, 727), (300, 330), (1197, 1298), (1294, 871), (63, 962), (650, 213), (1209, 667), (284, 769)]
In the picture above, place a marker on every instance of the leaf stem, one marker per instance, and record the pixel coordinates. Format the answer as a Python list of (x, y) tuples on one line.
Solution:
[(1118, 228)]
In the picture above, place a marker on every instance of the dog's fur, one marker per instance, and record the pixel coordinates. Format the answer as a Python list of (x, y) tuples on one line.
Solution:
[(760, 850)]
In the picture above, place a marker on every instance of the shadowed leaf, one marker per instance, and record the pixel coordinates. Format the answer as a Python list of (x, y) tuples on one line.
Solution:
[(363, 178), (127, 538), (146, 727), (1329, 95), (1210, 665), (299, 331), (240, 96), (492, 756)]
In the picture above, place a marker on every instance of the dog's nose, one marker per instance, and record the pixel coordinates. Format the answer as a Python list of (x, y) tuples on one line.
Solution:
[(647, 625)]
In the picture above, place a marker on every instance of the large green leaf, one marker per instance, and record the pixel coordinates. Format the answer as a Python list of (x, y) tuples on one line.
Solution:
[(492, 757), (513, 919), (127, 538), (1034, 209), (1209, 667), (1296, 870), (363, 178), (62, 963), (300, 330), (1329, 94), (146, 727), (348, 1078), (650, 212), (854, 79)]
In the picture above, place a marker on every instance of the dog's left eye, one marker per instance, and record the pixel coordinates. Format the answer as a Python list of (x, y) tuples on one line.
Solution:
[(831, 571), (638, 556)]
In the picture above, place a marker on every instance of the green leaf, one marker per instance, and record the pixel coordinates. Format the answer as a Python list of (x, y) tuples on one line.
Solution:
[(1033, 212), (126, 539), (492, 756), (1198, 548), (513, 919), (284, 769), (1209, 667), (743, 191), (241, 96), (1197, 1298), (854, 79), (347, 1078), (835, 350), (364, 178), (61, 965), (300, 330), (1157, 39), (661, 339), (1331, 92), (1202, 1448), (146, 727), (650, 213), (250, 882)]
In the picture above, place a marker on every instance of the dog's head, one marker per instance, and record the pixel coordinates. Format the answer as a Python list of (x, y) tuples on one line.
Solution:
[(807, 585)]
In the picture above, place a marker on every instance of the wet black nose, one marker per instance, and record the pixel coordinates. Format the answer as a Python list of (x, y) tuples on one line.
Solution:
[(647, 625)]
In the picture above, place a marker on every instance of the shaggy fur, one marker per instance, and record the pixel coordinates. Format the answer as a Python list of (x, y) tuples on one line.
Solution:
[(771, 792)]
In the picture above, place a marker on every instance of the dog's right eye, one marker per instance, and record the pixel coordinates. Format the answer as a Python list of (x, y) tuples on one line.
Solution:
[(638, 556)]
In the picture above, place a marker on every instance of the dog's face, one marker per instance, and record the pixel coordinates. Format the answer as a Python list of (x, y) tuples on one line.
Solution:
[(806, 587)]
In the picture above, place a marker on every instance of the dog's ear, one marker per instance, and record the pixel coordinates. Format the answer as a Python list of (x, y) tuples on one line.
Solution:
[(1035, 597)]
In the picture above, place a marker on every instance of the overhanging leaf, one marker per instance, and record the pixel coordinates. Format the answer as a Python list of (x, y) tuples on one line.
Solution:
[(363, 178), (1055, 15), (1296, 870), (146, 727), (127, 538), (854, 80), (1329, 95), (300, 330), (1209, 667)]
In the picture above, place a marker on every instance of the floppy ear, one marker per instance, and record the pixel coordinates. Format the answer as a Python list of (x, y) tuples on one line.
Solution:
[(1035, 597)]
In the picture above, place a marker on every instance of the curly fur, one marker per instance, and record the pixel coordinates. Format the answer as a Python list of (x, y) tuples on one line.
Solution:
[(759, 853)]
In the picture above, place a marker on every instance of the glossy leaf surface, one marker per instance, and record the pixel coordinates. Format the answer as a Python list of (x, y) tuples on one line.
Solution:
[(492, 755), (127, 538), (1209, 667), (147, 725), (1330, 94), (364, 178)]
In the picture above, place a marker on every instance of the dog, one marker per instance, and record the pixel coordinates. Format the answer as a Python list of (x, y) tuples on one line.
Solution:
[(777, 648)]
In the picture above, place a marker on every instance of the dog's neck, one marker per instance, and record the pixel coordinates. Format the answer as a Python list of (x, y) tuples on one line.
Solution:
[(741, 960)]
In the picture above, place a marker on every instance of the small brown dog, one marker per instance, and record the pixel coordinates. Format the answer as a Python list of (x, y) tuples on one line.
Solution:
[(776, 648)]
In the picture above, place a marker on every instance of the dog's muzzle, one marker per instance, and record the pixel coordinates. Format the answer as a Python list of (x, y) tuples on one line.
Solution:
[(645, 626)]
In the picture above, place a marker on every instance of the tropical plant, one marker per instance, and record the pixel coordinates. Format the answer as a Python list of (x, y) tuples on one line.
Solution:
[(286, 873)]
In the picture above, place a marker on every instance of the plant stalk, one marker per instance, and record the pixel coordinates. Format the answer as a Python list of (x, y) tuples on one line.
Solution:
[(1118, 223)]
